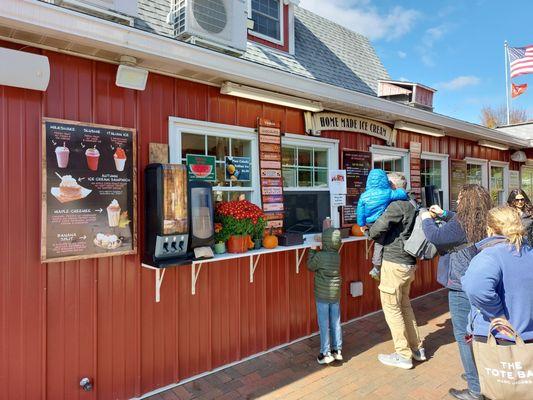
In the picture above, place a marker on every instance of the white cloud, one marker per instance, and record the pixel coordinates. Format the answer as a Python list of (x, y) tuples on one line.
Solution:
[(458, 83), (361, 16), (402, 54), (425, 49)]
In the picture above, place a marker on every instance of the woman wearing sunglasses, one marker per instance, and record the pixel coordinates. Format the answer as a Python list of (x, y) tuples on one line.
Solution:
[(519, 201)]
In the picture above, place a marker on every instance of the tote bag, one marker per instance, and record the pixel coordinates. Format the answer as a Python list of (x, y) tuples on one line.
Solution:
[(505, 371)]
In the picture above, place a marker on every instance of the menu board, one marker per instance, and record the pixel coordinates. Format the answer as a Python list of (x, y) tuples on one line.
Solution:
[(357, 165), (88, 191), (457, 180), (415, 154), (270, 166)]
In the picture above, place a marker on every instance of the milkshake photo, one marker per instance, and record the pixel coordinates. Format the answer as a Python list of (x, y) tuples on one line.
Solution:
[(62, 153), (120, 159), (92, 155), (113, 213)]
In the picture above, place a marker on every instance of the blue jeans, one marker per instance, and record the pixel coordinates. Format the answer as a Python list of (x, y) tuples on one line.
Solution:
[(329, 323), (459, 310)]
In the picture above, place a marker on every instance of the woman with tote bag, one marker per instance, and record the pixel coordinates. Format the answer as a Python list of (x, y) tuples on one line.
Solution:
[(499, 284)]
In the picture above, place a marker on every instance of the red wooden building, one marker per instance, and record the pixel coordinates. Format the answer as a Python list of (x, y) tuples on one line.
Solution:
[(98, 318)]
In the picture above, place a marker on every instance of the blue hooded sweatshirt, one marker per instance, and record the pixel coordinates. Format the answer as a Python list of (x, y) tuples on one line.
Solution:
[(499, 282), (376, 197)]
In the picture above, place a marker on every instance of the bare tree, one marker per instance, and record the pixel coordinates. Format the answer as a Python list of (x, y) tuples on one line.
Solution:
[(492, 117)]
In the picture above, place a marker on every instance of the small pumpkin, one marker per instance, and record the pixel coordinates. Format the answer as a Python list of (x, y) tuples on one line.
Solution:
[(270, 241), (356, 230)]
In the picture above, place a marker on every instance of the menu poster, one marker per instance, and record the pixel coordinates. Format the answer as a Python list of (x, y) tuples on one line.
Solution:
[(270, 171), (457, 180), (357, 165), (88, 191)]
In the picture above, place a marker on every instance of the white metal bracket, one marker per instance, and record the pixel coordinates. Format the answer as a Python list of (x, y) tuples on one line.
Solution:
[(253, 266), (299, 258), (368, 247), (159, 276), (194, 276)]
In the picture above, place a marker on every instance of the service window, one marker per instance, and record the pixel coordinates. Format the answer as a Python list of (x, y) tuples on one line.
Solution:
[(499, 182), (218, 140), (268, 19), (434, 174), (391, 160), (526, 180), (476, 172), (305, 165)]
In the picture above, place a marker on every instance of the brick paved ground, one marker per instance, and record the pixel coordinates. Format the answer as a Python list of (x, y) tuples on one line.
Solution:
[(292, 372)]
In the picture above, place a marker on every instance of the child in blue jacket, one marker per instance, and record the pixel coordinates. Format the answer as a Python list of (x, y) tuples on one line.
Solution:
[(372, 203)]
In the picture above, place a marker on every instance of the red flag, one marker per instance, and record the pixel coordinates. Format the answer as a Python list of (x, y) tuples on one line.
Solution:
[(517, 90)]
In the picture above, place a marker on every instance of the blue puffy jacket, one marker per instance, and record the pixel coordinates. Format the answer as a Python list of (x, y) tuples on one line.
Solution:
[(376, 197)]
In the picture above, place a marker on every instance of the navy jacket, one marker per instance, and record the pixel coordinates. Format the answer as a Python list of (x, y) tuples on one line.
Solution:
[(499, 282), (376, 197), (446, 238)]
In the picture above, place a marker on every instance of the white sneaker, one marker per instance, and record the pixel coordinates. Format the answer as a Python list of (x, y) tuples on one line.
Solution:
[(325, 358), (395, 360), (337, 355), (420, 354)]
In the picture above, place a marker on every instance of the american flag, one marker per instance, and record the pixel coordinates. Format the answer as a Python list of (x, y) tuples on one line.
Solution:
[(521, 59)]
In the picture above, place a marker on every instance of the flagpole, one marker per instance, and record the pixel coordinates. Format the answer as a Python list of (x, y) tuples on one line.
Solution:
[(507, 80)]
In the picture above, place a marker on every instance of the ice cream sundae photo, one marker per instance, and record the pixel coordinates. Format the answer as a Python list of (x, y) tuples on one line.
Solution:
[(69, 189), (120, 159), (108, 242), (113, 213)]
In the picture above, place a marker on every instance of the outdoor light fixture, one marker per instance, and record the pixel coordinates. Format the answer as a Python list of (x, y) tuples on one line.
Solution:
[(129, 76), (424, 130), (248, 92), (493, 145), (24, 70)]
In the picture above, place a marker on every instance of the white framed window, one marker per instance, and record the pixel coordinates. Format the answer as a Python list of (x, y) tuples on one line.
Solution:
[(391, 159), (305, 164), (499, 182), (268, 19), (526, 180), (477, 171), (188, 136), (434, 172)]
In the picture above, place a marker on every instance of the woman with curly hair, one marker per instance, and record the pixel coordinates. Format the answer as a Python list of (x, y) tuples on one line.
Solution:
[(518, 200), (455, 242)]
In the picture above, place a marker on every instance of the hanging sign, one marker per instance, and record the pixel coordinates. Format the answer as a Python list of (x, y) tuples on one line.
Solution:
[(201, 168), (88, 191), (237, 169), (270, 172), (337, 181), (357, 165), (326, 121), (458, 172)]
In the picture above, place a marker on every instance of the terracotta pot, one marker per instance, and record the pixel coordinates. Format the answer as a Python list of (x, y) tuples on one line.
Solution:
[(238, 244)]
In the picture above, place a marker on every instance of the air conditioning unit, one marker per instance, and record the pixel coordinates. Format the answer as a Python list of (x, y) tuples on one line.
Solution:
[(216, 24), (121, 11)]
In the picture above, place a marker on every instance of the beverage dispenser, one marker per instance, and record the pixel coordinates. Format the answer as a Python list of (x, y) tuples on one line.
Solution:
[(202, 231), (167, 215)]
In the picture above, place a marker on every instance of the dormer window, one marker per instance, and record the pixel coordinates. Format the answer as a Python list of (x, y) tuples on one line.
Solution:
[(268, 19)]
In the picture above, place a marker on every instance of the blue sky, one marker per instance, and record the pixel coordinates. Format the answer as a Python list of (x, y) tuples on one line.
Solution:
[(454, 46)]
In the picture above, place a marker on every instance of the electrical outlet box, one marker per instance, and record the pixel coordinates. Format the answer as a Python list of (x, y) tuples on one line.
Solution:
[(356, 289)]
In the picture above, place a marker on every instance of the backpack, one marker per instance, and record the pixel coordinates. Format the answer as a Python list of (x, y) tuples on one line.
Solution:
[(417, 245)]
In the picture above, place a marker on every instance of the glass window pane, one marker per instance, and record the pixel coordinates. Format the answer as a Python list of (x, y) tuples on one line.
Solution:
[(321, 158), (289, 177), (192, 144), (305, 157), (305, 177), (388, 163), (266, 17), (474, 174), (220, 175), (527, 181), (496, 185), (321, 178), (218, 147), (288, 156), (241, 148)]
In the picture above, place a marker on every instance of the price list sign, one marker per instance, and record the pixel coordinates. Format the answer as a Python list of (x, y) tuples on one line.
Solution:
[(270, 167), (357, 165), (88, 191)]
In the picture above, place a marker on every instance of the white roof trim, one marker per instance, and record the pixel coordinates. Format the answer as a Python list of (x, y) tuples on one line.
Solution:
[(42, 18)]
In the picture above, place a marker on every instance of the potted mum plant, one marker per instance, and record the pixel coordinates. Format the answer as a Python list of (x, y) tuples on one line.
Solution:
[(240, 221), (220, 239)]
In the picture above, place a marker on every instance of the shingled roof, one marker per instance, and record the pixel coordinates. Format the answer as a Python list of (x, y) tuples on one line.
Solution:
[(324, 51)]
